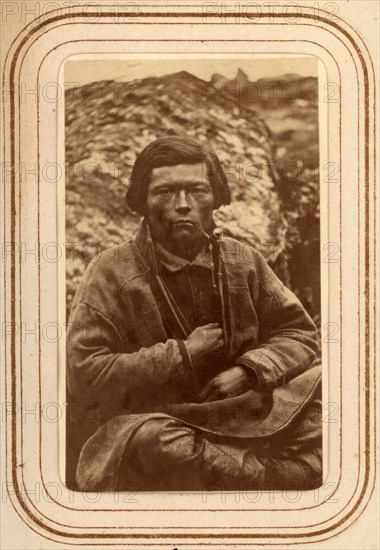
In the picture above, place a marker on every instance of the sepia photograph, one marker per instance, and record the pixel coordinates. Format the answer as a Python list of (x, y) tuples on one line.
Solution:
[(193, 276), (189, 258), (189, 268)]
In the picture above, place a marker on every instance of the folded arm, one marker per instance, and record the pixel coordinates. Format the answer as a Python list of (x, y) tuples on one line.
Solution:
[(288, 339), (99, 370)]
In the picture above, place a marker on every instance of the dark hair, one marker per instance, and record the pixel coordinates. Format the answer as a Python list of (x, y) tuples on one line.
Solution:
[(169, 151)]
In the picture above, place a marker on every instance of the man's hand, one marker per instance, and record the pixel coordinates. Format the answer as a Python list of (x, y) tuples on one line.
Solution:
[(205, 342), (229, 383)]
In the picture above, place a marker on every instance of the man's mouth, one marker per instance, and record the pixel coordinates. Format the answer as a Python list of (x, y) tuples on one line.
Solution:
[(184, 222)]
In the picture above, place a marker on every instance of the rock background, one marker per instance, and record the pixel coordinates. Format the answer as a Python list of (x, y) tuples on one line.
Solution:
[(265, 134)]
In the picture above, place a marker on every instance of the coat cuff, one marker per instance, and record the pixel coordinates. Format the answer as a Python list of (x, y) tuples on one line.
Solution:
[(257, 379), (188, 363), (268, 368)]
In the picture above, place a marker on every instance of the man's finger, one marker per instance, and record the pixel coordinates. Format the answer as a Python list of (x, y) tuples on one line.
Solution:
[(208, 396), (217, 347), (214, 396), (204, 393), (207, 389)]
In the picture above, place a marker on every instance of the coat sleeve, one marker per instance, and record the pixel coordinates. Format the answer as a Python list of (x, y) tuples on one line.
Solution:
[(100, 374), (288, 338)]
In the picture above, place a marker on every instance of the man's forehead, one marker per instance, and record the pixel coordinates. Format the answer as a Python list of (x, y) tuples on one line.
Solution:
[(180, 172)]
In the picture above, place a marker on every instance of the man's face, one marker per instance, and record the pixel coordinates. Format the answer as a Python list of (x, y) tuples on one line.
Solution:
[(179, 201)]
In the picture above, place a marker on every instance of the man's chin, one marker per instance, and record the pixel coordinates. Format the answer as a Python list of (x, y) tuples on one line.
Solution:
[(185, 231), (185, 240)]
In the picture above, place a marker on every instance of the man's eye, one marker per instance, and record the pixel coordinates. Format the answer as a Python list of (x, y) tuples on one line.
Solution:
[(199, 191), (164, 192)]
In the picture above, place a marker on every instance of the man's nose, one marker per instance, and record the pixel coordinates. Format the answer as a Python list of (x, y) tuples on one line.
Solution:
[(182, 204)]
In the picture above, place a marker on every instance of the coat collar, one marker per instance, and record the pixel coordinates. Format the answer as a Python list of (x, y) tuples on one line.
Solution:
[(175, 263), (169, 260)]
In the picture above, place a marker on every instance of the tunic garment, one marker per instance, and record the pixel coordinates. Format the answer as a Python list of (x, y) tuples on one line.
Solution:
[(191, 286), (128, 361)]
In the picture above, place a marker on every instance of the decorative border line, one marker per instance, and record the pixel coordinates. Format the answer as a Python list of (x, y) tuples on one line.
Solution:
[(186, 509), (365, 71)]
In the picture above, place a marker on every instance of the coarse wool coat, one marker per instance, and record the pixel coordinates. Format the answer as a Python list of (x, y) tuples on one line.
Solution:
[(126, 358)]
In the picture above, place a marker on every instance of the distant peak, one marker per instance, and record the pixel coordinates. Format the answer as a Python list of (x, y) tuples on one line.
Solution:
[(241, 77), (184, 74), (219, 80), (181, 75), (217, 77)]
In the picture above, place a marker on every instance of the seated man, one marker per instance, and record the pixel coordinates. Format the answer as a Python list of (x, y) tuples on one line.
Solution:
[(197, 358)]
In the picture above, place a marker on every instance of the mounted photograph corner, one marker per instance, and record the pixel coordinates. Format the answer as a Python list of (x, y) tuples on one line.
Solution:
[(193, 273)]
